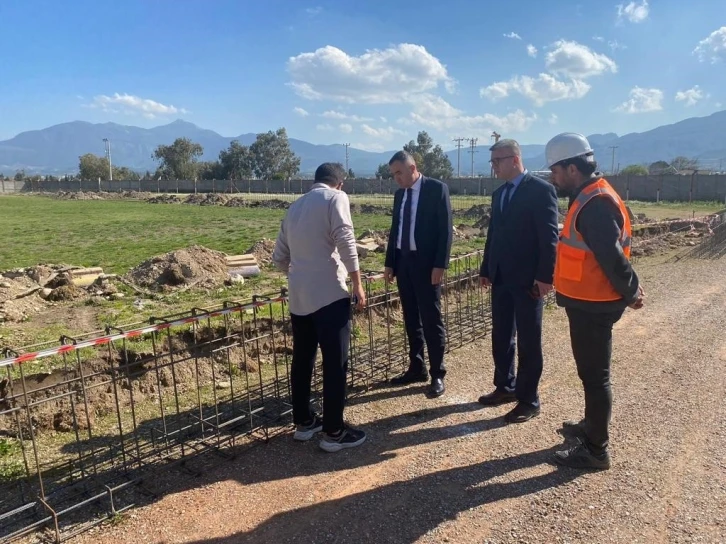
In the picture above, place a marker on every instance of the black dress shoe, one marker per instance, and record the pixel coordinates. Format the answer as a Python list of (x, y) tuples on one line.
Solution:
[(410, 376), (521, 413), (497, 397), (437, 388)]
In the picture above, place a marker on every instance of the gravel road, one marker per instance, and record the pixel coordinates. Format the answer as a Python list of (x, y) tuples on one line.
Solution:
[(448, 470)]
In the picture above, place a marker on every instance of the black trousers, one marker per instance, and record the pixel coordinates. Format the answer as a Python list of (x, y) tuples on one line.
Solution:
[(421, 304), (329, 327), (516, 314), (591, 335)]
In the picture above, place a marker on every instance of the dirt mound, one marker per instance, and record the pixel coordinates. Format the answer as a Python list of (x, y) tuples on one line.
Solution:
[(207, 199), (660, 245), (164, 199), (66, 293), (236, 202), (77, 195), (262, 250), (481, 212), (273, 204), (380, 236), (184, 267)]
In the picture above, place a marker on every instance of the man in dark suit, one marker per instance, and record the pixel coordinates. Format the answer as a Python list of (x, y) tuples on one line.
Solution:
[(519, 262), (419, 247)]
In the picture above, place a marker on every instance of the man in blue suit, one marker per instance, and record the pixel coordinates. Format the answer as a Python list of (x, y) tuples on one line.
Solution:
[(518, 264)]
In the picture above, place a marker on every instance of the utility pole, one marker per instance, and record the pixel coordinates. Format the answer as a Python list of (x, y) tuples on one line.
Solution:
[(458, 155), (472, 150), (107, 144), (612, 167), (346, 158)]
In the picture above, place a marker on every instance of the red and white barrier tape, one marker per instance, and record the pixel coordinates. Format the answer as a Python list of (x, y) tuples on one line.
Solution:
[(102, 340)]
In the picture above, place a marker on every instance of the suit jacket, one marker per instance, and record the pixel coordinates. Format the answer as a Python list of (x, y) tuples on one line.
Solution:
[(433, 231), (521, 245)]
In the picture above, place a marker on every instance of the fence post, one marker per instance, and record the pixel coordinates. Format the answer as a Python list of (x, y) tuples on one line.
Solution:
[(627, 188), (690, 191), (3, 182)]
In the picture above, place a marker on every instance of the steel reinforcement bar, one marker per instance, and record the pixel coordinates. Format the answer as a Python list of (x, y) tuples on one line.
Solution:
[(84, 421)]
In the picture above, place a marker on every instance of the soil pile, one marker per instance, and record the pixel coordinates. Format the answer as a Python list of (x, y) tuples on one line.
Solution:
[(194, 265), (262, 250)]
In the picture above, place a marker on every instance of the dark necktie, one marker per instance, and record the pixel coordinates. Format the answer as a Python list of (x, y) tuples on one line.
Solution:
[(406, 230), (507, 190)]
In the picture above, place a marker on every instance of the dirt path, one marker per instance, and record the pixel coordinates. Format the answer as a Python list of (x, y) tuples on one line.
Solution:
[(448, 471)]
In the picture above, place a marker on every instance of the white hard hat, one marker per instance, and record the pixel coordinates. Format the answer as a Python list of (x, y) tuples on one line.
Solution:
[(567, 145)]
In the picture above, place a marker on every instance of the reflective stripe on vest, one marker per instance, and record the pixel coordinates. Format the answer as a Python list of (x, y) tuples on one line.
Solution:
[(577, 273)]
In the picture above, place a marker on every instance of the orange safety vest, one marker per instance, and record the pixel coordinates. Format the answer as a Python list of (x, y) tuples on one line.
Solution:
[(577, 273)]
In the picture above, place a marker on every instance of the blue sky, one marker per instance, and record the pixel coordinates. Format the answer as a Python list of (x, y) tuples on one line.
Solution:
[(369, 74)]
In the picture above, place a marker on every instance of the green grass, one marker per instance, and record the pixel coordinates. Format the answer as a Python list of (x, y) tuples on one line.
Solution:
[(118, 235), (675, 210)]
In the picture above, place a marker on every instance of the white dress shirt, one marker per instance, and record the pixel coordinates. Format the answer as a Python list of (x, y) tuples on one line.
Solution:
[(316, 249), (415, 192)]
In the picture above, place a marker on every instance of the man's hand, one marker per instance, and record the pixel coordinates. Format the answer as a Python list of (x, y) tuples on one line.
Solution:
[(437, 275), (484, 282), (388, 275), (359, 296), (544, 288), (638, 304)]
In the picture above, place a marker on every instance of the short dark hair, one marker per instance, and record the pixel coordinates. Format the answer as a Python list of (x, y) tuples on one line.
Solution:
[(402, 156), (330, 173), (584, 166)]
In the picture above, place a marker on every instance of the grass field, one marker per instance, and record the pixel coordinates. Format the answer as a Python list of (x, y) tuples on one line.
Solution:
[(120, 234)]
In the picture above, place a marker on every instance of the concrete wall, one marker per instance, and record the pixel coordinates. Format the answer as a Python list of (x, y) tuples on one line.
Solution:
[(649, 188)]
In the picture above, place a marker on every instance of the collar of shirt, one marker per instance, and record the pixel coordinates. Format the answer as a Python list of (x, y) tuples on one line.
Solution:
[(516, 181), (320, 185), (416, 187)]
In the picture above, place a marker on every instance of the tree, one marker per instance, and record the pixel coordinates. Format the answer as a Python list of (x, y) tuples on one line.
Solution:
[(659, 167), (236, 161), (351, 174), (272, 157), (19, 175), (684, 163), (178, 160), (635, 170), (92, 167), (384, 171), (210, 170), (430, 159)]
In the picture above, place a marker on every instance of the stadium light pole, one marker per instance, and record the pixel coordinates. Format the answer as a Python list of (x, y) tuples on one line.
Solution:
[(107, 143)]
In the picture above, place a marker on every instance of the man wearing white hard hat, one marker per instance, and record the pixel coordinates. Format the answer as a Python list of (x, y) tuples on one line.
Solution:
[(595, 283)]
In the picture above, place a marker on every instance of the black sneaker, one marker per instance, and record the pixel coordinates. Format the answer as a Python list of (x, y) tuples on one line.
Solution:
[(303, 433), (581, 457), (348, 438)]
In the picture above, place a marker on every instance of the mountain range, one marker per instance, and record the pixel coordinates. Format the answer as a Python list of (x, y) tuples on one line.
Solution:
[(55, 150)]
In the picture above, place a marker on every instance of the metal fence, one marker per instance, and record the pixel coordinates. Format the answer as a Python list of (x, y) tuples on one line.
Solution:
[(84, 421)]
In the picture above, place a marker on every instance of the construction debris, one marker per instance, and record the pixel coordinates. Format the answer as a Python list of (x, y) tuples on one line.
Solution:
[(242, 266)]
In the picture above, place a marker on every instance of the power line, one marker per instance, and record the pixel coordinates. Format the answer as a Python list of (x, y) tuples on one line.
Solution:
[(458, 155)]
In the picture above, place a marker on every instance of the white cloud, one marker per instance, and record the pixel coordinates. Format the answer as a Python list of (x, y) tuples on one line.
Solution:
[(598, 38), (134, 105), (614, 45), (378, 76), (313, 11), (384, 120), (332, 114), (386, 134), (435, 112), (540, 90), (345, 128), (691, 96), (713, 47), (553, 119), (531, 50), (325, 128), (513, 35), (301, 112), (577, 61), (717, 104), (642, 101), (633, 12)]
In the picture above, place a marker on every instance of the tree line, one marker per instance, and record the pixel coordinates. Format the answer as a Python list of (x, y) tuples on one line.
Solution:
[(268, 157)]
